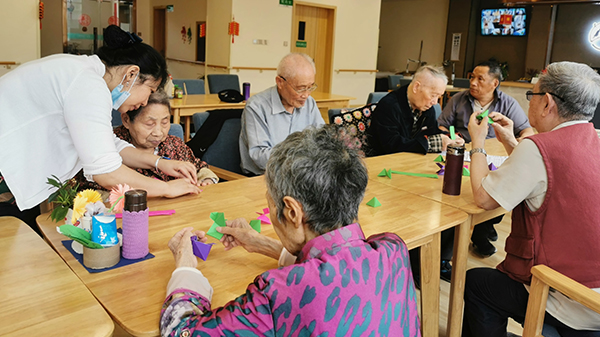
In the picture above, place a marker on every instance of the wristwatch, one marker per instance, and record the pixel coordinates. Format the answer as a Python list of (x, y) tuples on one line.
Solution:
[(477, 150)]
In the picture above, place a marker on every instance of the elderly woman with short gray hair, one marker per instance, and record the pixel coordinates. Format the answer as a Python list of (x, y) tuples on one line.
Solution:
[(331, 278)]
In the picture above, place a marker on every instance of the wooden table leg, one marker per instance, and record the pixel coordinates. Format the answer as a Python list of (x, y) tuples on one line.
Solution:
[(430, 287), (186, 131), (462, 238), (176, 115)]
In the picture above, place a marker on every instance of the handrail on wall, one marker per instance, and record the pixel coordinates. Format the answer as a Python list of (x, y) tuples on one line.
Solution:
[(252, 68), (217, 66), (185, 61), (8, 64), (357, 70)]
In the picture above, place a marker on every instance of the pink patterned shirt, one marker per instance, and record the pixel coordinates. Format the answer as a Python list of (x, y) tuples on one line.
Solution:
[(342, 284)]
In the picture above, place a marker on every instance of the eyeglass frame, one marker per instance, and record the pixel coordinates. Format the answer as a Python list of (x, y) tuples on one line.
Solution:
[(300, 91), (530, 93)]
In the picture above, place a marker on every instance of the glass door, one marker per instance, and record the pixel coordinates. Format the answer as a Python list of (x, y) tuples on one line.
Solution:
[(86, 20)]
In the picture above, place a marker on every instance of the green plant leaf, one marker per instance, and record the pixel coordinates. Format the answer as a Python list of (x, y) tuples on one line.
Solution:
[(59, 213)]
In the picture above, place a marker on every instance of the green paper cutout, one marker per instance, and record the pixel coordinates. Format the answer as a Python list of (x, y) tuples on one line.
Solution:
[(490, 121), (80, 235), (452, 134), (439, 159), (373, 202), (255, 224), (385, 173), (219, 221), (424, 175), (466, 172), (483, 114)]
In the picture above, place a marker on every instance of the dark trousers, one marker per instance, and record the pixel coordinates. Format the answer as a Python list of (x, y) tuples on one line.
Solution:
[(491, 297), (481, 230), (28, 216)]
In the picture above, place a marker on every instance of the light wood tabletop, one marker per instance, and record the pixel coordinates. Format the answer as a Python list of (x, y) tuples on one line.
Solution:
[(432, 189), (133, 294), (39, 295), (190, 104)]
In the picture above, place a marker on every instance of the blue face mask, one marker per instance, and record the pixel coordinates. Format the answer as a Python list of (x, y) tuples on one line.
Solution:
[(118, 97)]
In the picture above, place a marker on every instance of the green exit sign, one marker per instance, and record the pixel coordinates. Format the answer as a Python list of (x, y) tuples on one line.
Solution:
[(300, 44), (286, 2)]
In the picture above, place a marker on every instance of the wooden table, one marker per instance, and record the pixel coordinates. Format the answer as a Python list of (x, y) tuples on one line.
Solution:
[(39, 295), (190, 104), (133, 295), (432, 189)]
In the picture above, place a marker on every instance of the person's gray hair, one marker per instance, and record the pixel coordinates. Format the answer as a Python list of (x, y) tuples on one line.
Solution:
[(434, 71), (577, 84), (318, 168), (158, 97), (289, 64)]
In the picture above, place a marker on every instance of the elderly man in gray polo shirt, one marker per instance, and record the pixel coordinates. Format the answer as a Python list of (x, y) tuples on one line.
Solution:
[(483, 95), (271, 115)]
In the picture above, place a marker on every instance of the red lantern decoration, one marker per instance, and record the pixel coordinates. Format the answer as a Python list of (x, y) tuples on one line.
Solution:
[(202, 30), (234, 29), (41, 13)]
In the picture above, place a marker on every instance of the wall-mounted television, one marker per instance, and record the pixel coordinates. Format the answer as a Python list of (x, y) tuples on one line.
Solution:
[(504, 22)]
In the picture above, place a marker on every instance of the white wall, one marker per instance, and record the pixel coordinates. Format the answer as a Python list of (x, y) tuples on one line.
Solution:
[(404, 23), (355, 47), (19, 32)]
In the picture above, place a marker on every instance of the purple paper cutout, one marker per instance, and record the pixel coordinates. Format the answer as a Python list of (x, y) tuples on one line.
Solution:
[(442, 169), (200, 248), (492, 167)]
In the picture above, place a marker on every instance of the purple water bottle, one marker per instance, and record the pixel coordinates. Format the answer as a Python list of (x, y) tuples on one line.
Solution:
[(455, 155), (135, 225), (246, 86)]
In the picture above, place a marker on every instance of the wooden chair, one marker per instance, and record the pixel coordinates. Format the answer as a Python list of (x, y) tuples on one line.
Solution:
[(543, 278)]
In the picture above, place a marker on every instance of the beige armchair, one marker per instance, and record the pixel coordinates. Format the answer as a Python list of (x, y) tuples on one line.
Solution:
[(543, 278)]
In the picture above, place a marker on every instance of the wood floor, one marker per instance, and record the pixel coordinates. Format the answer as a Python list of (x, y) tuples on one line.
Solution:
[(474, 261)]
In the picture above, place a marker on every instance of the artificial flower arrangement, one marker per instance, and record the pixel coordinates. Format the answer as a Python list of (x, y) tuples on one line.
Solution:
[(86, 208)]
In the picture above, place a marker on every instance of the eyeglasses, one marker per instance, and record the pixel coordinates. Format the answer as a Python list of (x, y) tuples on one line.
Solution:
[(303, 90), (530, 93)]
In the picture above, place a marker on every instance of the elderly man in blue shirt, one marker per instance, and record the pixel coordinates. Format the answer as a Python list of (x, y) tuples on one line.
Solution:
[(272, 115)]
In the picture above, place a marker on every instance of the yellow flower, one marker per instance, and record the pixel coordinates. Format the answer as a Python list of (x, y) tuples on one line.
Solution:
[(81, 200)]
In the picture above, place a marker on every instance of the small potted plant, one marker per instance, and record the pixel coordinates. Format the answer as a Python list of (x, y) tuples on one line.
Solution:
[(62, 199)]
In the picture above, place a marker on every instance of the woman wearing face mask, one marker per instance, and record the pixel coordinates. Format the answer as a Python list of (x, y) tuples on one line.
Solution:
[(55, 119), (147, 128)]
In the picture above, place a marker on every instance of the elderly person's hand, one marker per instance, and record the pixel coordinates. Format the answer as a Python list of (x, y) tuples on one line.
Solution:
[(181, 247), (239, 233), (207, 181), (179, 169), (448, 141), (504, 129), (179, 187), (478, 130)]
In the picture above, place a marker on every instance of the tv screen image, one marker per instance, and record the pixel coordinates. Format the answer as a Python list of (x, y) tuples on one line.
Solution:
[(503, 22)]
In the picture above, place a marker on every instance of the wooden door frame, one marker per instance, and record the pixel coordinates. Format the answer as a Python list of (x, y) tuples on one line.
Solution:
[(333, 22), (163, 7)]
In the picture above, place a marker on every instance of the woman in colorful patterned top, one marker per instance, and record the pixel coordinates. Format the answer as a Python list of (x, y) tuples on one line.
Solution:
[(331, 281), (147, 128)]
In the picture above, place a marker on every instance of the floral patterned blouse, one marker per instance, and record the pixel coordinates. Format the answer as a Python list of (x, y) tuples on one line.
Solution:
[(172, 147)]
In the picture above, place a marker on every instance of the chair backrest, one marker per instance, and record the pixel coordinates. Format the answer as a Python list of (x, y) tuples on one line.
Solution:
[(219, 82), (404, 81), (543, 278), (193, 86), (225, 151), (374, 97), (174, 130), (461, 83), (438, 110), (393, 81)]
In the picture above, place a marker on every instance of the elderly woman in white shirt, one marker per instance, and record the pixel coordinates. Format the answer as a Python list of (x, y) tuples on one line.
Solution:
[(55, 119)]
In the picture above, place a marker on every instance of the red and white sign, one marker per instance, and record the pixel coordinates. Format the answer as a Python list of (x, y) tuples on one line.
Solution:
[(113, 20), (85, 20)]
